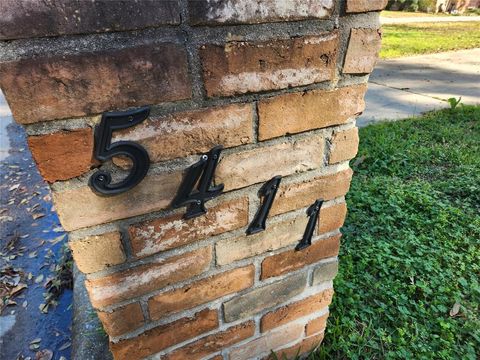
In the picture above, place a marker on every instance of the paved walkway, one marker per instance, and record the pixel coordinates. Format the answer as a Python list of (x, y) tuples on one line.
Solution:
[(405, 87), (423, 19)]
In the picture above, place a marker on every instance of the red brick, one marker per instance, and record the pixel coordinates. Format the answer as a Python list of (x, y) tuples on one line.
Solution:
[(164, 336), (86, 83), (294, 196), (316, 326), (332, 218), (357, 6), (296, 310), (163, 234), (306, 346), (122, 320), (201, 292), (293, 260), (251, 12), (142, 279), (363, 49), (213, 343), (63, 155), (344, 146), (26, 19), (298, 112), (243, 67)]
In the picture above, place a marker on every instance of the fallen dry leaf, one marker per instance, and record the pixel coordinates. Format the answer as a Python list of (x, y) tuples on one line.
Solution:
[(455, 309), (45, 354)]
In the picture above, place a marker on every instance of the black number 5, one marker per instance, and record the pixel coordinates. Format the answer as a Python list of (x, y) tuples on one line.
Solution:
[(100, 182)]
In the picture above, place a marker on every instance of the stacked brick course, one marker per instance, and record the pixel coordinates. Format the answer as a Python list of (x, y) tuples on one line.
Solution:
[(277, 83)]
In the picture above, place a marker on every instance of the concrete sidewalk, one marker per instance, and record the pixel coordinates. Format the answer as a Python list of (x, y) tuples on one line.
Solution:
[(405, 87), (424, 19)]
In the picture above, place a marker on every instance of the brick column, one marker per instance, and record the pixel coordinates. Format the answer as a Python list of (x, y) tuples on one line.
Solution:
[(277, 83)]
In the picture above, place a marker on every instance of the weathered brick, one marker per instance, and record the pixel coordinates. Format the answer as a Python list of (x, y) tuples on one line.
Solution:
[(250, 12), (142, 279), (293, 260), (63, 155), (192, 132), (213, 343), (296, 310), (363, 49), (122, 320), (316, 326), (161, 337), (278, 235), (298, 195), (95, 253), (80, 207), (306, 346), (242, 169), (264, 297), (162, 234), (325, 272), (332, 218), (298, 112), (26, 18), (267, 342), (244, 67), (344, 146), (86, 83), (358, 6), (201, 292)]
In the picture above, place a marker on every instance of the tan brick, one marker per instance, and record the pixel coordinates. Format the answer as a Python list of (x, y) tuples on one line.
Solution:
[(298, 112), (317, 325), (278, 235), (164, 336), (142, 279), (85, 83), (358, 6), (25, 19), (213, 343), (344, 146), (293, 260), (80, 207), (261, 164), (95, 253), (325, 272), (296, 310), (201, 292), (332, 218), (267, 342), (306, 346), (243, 67), (192, 132), (363, 49), (162, 234), (250, 12), (294, 196), (63, 155), (265, 297), (122, 320)]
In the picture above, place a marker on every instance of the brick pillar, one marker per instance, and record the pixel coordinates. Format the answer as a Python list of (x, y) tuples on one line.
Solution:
[(277, 83)]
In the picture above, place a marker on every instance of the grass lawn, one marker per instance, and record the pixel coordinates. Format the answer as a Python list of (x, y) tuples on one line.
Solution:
[(425, 38), (403, 14), (408, 286)]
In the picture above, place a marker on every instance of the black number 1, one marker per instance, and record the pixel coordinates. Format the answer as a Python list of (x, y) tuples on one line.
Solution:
[(268, 191), (100, 182), (313, 212)]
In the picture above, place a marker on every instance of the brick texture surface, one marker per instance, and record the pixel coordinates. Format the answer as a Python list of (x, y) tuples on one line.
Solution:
[(331, 218), (298, 112), (201, 292), (316, 326), (142, 279), (25, 18), (63, 155), (47, 88), (243, 67), (344, 146), (122, 320), (95, 253), (306, 346), (219, 12), (362, 53), (161, 337), (174, 231), (358, 6), (293, 260), (325, 272)]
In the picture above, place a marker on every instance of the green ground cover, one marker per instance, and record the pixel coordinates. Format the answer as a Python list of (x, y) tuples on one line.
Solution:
[(408, 286), (425, 38)]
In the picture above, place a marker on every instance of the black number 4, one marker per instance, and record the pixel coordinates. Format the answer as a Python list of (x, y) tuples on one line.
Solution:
[(100, 182)]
